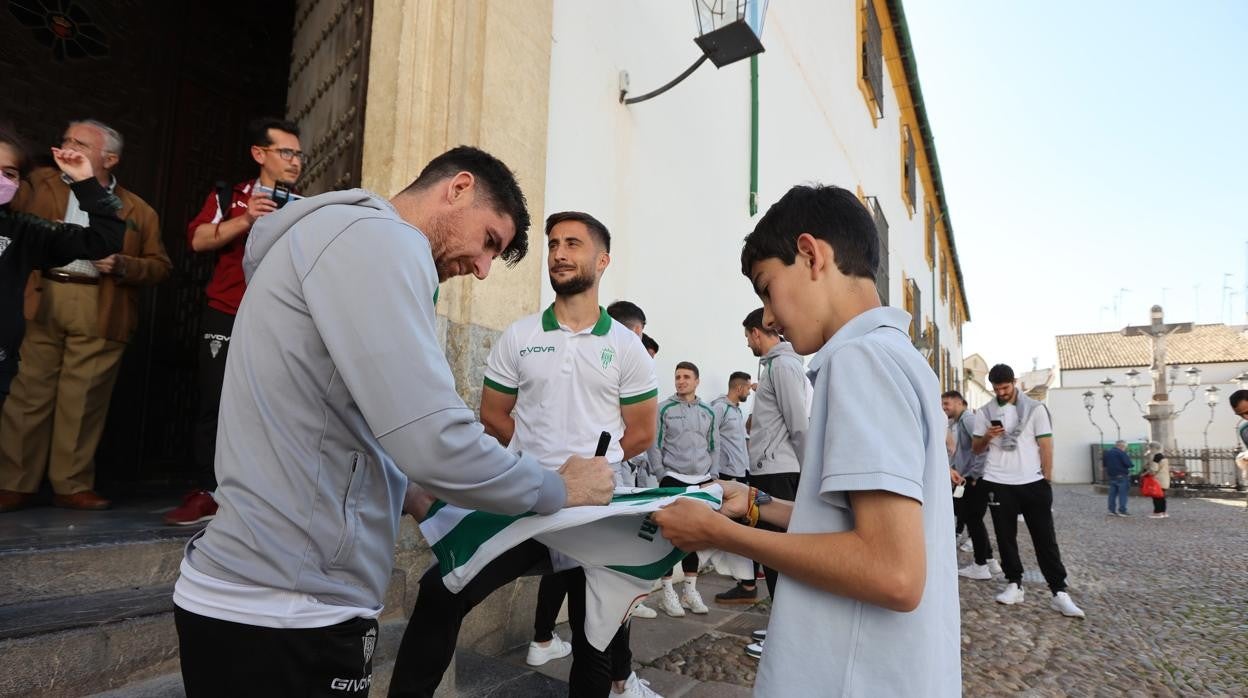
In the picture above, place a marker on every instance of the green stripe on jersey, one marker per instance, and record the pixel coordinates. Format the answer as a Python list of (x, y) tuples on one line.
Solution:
[(499, 387), (459, 544), (640, 398)]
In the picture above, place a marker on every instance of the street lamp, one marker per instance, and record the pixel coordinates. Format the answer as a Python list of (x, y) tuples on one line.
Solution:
[(728, 31), (1089, 401), (1133, 382), (1193, 382), (1242, 379), (1108, 394), (1211, 397)]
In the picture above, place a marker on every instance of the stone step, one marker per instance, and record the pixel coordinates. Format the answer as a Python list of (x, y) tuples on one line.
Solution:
[(78, 570)]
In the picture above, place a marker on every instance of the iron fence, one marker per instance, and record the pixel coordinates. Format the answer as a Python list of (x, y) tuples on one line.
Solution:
[(1190, 468)]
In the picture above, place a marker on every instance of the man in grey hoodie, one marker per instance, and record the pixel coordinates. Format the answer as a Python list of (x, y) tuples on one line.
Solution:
[(683, 454), (780, 417), (337, 398)]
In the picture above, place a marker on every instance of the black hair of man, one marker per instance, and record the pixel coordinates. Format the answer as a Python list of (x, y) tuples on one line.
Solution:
[(737, 378), (828, 213), (1237, 397), (627, 313), (258, 130), (953, 394), (1000, 373), (597, 230), (10, 137), (497, 185), (689, 366), (754, 321), (648, 342)]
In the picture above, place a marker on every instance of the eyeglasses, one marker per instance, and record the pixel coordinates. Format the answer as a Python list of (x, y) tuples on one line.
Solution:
[(289, 154)]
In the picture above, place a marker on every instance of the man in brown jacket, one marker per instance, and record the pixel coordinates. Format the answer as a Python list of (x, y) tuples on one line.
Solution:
[(79, 318)]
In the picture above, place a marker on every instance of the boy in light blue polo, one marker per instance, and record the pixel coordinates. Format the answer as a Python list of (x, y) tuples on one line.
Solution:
[(867, 600)]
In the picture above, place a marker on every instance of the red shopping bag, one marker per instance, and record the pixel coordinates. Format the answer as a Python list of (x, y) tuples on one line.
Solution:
[(1149, 487)]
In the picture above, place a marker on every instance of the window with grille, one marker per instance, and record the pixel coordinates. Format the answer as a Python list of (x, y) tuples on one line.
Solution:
[(944, 276), (908, 177), (914, 306), (881, 230), (929, 235), (872, 58)]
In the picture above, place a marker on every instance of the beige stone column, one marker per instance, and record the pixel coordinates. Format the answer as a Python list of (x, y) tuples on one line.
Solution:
[(443, 73), (477, 72)]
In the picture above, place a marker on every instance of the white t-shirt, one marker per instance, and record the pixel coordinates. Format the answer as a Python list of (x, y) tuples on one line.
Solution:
[(1022, 465), (875, 424), (569, 386)]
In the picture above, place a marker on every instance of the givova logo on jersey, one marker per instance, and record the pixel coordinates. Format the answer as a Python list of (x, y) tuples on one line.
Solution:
[(536, 350)]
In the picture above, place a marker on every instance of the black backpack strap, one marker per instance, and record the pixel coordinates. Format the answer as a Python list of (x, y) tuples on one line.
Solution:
[(225, 198)]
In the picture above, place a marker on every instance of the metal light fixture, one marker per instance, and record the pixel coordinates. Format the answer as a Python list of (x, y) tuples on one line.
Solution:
[(1242, 379), (1108, 394), (1193, 382), (728, 31), (1211, 398), (1133, 382), (1089, 402)]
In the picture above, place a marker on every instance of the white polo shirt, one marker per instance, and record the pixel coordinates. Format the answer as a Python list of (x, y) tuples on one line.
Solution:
[(1022, 465), (569, 386)]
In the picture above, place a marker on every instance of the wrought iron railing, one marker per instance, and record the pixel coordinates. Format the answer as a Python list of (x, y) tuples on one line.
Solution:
[(1190, 468)]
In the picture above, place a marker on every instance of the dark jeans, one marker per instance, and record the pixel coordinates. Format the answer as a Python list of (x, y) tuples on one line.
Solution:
[(1159, 505), (781, 486), (1034, 501), (433, 630), (1119, 487), (215, 329), (220, 658), (970, 509), (690, 562), (550, 595)]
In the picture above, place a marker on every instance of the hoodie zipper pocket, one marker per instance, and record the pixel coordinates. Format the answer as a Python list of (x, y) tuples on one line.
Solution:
[(347, 538)]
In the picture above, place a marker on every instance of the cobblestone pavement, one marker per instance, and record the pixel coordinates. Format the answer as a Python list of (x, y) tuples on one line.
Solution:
[(1166, 603)]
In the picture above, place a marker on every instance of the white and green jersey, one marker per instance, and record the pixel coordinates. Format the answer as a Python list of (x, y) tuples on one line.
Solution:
[(621, 550), (569, 386)]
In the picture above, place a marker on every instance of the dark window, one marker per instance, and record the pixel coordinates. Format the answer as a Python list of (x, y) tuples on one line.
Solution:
[(881, 229), (916, 310), (873, 56), (908, 168), (929, 237)]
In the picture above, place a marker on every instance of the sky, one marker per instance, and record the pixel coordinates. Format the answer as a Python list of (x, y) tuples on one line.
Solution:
[(1093, 156)]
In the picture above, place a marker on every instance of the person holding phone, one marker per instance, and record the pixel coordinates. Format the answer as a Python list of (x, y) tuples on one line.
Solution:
[(221, 228), (1016, 433), (970, 494)]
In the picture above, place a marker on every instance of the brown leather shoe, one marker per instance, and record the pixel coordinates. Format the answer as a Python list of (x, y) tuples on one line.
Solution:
[(12, 501), (87, 501)]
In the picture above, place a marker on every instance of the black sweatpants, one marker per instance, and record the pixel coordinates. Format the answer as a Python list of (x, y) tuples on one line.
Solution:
[(1034, 501), (1159, 505), (221, 658), (550, 595), (215, 330), (970, 509), (433, 630), (781, 486)]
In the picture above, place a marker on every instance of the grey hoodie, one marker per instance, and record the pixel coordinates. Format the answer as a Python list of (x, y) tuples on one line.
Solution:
[(336, 393), (731, 457), (684, 447), (780, 418)]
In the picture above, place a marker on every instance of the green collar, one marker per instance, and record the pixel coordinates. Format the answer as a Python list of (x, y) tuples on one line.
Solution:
[(550, 323)]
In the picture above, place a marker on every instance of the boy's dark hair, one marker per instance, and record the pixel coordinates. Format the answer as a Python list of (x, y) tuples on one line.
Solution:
[(738, 377), (1237, 397), (1000, 374), (688, 366), (829, 213), (258, 130), (9, 137), (626, 313), (498, 188), (953, 394), (597, 230), (754, 321), (648, 342)]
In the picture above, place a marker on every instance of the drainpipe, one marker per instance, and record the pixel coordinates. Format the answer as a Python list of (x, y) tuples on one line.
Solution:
[(753, 135)]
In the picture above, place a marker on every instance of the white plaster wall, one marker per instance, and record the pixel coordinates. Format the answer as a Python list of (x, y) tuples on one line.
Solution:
[(1209, 374), (670, 177)]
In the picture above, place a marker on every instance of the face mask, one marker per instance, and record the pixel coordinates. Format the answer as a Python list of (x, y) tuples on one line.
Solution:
[(8, 189)]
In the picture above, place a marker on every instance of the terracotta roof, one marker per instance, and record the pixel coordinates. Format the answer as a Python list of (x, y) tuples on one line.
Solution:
[(1205, 344)]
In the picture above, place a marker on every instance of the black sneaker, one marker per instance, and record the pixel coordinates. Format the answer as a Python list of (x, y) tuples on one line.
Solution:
[(738, 595)]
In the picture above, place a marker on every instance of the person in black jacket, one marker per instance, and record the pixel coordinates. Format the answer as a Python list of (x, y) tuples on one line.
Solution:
[(28, 242)]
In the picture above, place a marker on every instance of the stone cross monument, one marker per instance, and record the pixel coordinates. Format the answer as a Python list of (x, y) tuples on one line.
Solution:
[(1160, 410)]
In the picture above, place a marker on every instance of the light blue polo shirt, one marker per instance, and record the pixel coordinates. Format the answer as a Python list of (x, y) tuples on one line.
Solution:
[(875, 424)]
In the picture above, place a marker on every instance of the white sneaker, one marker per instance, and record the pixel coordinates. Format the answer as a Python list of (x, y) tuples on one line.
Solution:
[(994, 567), (755, 649), (1021, 519), (539, 655), (670, 604), (643, 611), (692, 600), (967, 546), (759, 635), (1013, 594), (636, 687), (1062, 603), (974, 571)]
